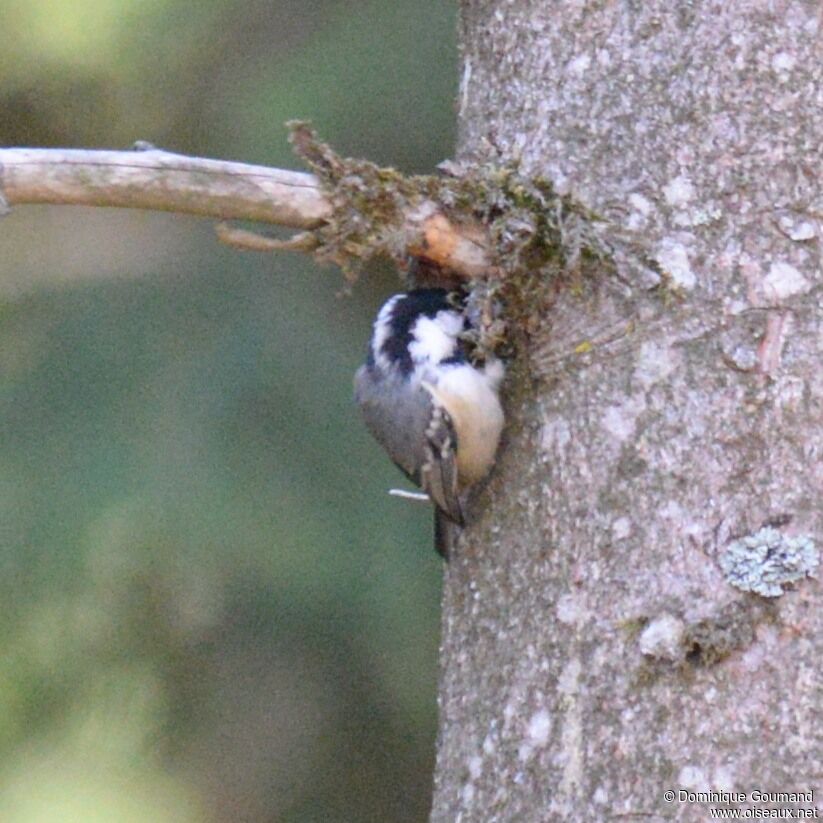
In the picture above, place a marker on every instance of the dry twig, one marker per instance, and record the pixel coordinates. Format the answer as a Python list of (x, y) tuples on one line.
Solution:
[(150, 178)]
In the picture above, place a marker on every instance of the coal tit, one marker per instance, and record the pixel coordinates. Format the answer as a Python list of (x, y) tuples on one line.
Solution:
[(433, 408)]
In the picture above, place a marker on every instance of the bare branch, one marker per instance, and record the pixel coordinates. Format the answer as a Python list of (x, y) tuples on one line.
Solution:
[(163, 181), (461, 248)]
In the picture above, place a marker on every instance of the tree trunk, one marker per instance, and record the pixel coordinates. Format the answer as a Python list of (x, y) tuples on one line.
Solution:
[(631, 612)]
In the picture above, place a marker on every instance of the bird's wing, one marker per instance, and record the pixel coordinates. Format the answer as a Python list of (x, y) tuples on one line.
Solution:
[(438, 474)]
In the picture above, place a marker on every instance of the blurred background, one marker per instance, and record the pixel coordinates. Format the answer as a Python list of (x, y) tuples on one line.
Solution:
[(210, 610)]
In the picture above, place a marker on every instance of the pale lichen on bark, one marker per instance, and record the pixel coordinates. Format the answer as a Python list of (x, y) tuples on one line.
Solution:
[(768, 560)]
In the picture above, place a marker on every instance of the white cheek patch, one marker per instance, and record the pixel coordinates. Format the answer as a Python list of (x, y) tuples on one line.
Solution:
[(435, 338), (450, 321)]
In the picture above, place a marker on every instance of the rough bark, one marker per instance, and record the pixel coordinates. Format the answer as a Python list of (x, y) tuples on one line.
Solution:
[(595, 652)]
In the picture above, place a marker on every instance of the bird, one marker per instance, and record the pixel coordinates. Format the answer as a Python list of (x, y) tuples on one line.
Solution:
[(430, 401)]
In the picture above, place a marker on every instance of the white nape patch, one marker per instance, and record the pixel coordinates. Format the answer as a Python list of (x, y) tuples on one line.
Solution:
[(435, 338), (382, 328)]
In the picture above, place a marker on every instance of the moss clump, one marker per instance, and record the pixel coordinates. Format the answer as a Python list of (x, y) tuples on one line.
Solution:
[(530, 226), (369, 203), (538, 239)]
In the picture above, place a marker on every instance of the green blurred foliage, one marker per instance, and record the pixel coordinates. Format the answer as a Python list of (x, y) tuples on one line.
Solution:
[(210, 610)]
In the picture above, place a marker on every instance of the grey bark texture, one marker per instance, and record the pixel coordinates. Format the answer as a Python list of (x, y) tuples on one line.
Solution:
[(634, 609)]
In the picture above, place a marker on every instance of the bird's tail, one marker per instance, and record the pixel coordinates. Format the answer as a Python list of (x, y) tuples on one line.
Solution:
[(445, 533)]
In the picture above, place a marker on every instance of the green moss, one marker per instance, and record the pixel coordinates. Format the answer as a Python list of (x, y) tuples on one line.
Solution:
[(369, 203), (533, 229), (539, 240)]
